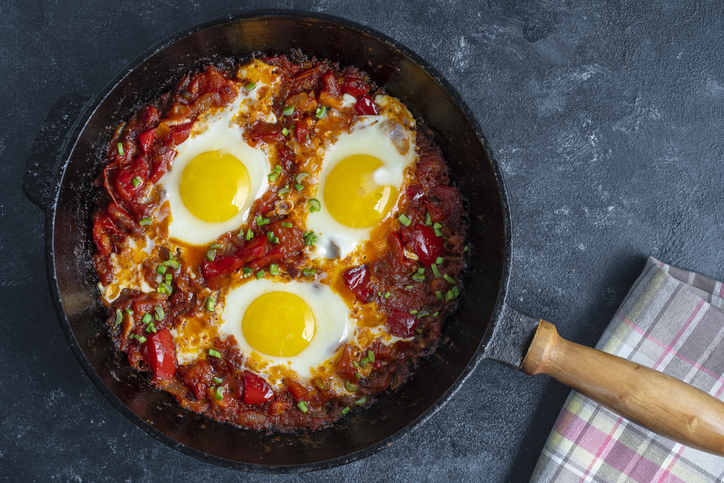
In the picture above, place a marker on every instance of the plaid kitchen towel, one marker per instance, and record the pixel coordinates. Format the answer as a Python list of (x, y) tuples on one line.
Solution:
[(672, 320)]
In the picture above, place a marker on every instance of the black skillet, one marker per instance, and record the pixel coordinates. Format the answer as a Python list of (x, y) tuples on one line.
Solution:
[(61, 182)]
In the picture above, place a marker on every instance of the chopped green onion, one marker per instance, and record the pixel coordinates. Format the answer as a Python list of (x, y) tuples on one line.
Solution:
[(119, 316), (438, 232), (159, 312), (286, 224), (249, 234), (449, 295), (299, 186), (404, 220), (247, 271), (277, 169), (439, 260), (270, 235), (250, 86), (301, 176), (272, 177), (360, 401), (418, 277), (310, 238), (345, 411), (261, 220), (349, 386), (423, 313), (146, 318), (319, 384), (120, 149), (136, 181), (363, 362), (129, 311), (274, 269), (438, 294), (302, 406), (173, 264), (371, 356), (455, 291), (309, 272), (151, 328), (275, 240), (387, 295), (437, 226), (164, 288), (314, 205), (214, 353), (283, 191), (321, 111), (140, 338), (215, 246), (428, 221), (161, 269), (435, 314), (355, 364), (211, 304), (285, 131), (408, 287), (413, 311), (217, 380), (448, 279), (358, 375), (465, 249), (219, 393), (421, 270), (260, 274), (435, 271), (419, 331), (145, 221), (289, 110), (210, 255)]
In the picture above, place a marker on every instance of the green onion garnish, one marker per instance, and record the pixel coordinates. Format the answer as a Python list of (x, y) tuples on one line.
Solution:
[(418, 277), (413, 311), (270, 235), (219, 393), (173, 264), (275, 240), (309, 272), (260, 274), (119, 316), (360, 401), (272, 177), (247, 271), (423, 313), (145, 221), (449, 295), (161, 269), (437, 226), (168, 278), (387, 295), (283, 191), (289, 110), (159, 312), (314, 205), (210, 255), (250, 86), (146, 318), (140, 338), (217, 380), (345, 411), (438, 294), (404, 220), (448, 279), (136, 181), (439, 260), (211, 304), (355, 364), (299, 186), (214, 353), (435, 271), (120, 149), (349, 386), (249, 234), (438, 232), (428, 221), (358, 375), (465, 249), (302, 406), (151, 328), (455, 291), (321, 111), (286, 224), (435, 314), (301, 176), (363, 362), (285, 131), (274, 269), (371, 356)]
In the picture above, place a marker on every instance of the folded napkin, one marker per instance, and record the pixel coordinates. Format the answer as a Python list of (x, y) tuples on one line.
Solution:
[(672, 320)]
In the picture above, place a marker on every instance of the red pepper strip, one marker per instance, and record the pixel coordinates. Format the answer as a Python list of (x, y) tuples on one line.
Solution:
[(299, 392), (302, 129), (100, 235), (357, 280), (161, 163), (178, 134), (426, 245), (435, 213), (145, 139), (124, 184), (275, 256), (330, 86), (222, 265), (266, 133), (366, 106), (401, 324), (159, 352), (255, 249), (353, 84), (256, 389), (415, 193)]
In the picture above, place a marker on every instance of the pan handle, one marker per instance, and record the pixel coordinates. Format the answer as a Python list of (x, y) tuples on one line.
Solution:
[(663, 404), (42, 168)]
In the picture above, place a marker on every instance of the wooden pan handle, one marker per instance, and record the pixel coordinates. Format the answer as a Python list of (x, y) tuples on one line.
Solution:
[(661, 403)]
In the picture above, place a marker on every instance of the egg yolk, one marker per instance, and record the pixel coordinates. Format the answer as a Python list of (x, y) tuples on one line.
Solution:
[(352, 197), (278, 324), (214, 186)]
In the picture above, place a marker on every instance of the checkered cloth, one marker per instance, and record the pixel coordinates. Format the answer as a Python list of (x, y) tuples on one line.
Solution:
[(672, 320)]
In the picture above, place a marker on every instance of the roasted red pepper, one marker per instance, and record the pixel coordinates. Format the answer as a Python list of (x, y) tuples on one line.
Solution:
[(353, 83), (366, 106), (179, 133), (302, 129), (401, 324), (222, 265), (256, 389), (426, 245), (159, 353), (145, 139), (415, 193), (357, 280)]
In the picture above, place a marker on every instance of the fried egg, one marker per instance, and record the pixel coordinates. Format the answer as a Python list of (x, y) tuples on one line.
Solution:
[(215, 177), (361, 178)]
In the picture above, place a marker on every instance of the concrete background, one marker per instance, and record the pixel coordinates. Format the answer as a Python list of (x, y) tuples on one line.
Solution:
[(605, 117)]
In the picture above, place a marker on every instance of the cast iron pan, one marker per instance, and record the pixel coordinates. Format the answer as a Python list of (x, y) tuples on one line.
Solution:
[(67, 198), (483, 327)]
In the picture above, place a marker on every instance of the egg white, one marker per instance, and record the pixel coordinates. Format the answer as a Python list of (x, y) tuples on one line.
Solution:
[(218, 133), (333, 323), (369, 136)]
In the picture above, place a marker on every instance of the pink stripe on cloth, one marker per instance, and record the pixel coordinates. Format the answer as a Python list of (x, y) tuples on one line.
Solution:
[(676, 338), (663, 474), (604, 448)]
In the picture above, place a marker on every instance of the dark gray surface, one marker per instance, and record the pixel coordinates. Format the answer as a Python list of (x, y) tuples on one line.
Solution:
[(606, 118)]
